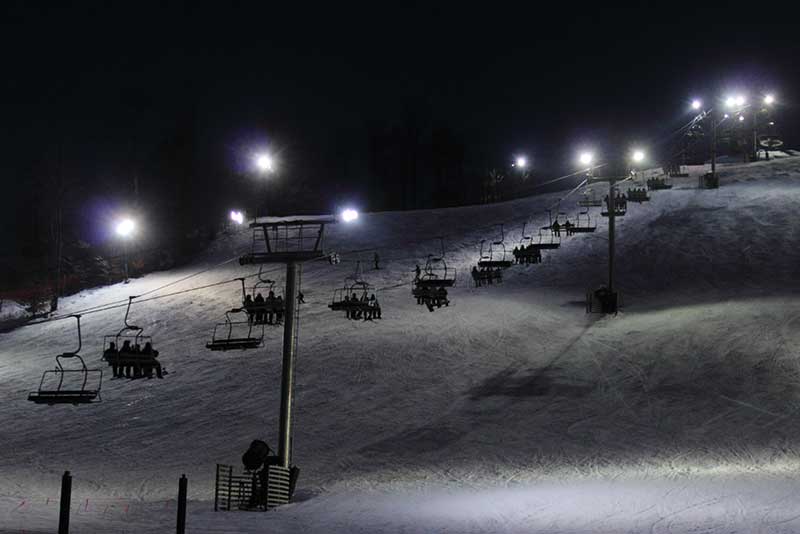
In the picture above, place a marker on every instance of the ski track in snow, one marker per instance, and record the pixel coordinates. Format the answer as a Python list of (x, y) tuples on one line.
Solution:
[(509, 411)]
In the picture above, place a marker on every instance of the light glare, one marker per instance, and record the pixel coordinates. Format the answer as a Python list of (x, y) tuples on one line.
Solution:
[(586, 158), (769, 99), (638, 156), (696, 104), (125, 227), (522, 162), (264, 162), (349, 215), (237, 217)]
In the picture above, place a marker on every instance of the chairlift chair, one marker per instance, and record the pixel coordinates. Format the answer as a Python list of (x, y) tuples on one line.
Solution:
[(637, 195), (495, 256), (526, 251), (620, 207), (263, 312), (548, 240), (430, 286), (658, 183), (223, 338), (436, 273), (584, 225), (589, 200), (136, 357), (355, 298), (61, 394)]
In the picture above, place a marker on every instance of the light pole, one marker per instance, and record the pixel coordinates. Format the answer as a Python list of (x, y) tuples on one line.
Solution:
[(768, 101), (124, 229)]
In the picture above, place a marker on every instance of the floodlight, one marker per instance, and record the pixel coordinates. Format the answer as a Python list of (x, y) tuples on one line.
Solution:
[(264, 162), (349, 215), (237, 217), (125, 227)]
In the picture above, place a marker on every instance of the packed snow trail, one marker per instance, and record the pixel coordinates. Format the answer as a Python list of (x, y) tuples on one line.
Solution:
[(509, 411)]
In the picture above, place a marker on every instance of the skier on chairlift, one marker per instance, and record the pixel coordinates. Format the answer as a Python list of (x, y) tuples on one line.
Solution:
[(270, 307), (259, 304), (376, 308), (248, 308), (556, 228)]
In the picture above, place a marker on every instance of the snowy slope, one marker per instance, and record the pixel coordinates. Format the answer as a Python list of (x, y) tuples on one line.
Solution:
[(511, 410)]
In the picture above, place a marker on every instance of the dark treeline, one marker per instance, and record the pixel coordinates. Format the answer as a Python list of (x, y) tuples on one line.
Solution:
[(180, 180)]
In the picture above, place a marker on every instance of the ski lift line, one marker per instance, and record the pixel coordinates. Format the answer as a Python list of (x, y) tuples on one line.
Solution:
[(574, 189), (116, 306), (147, 292), (119, 304), (111, 305)]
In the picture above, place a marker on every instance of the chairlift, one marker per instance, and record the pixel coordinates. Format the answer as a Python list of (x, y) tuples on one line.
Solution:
[(550, 239), (236, 335), (590, 199), (356, 298), (136, 357), (495, 255), (658, 183), (584, 223), (431, 283), (260, 309), (79, 393), (526, 252), (620, 206), (637, 195)]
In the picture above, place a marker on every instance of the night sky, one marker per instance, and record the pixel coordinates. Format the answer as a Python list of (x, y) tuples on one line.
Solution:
[(96, 84)]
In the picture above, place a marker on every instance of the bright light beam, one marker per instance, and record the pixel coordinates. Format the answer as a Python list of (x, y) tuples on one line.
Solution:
[(638, 156), (521, 162), (586, 158), (696, 104)]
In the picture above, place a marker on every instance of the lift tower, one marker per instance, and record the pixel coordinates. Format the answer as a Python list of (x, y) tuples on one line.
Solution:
[(290, 241), (609, 302)]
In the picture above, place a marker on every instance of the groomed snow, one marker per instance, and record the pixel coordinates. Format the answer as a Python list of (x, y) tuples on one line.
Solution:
[(509, 411)]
